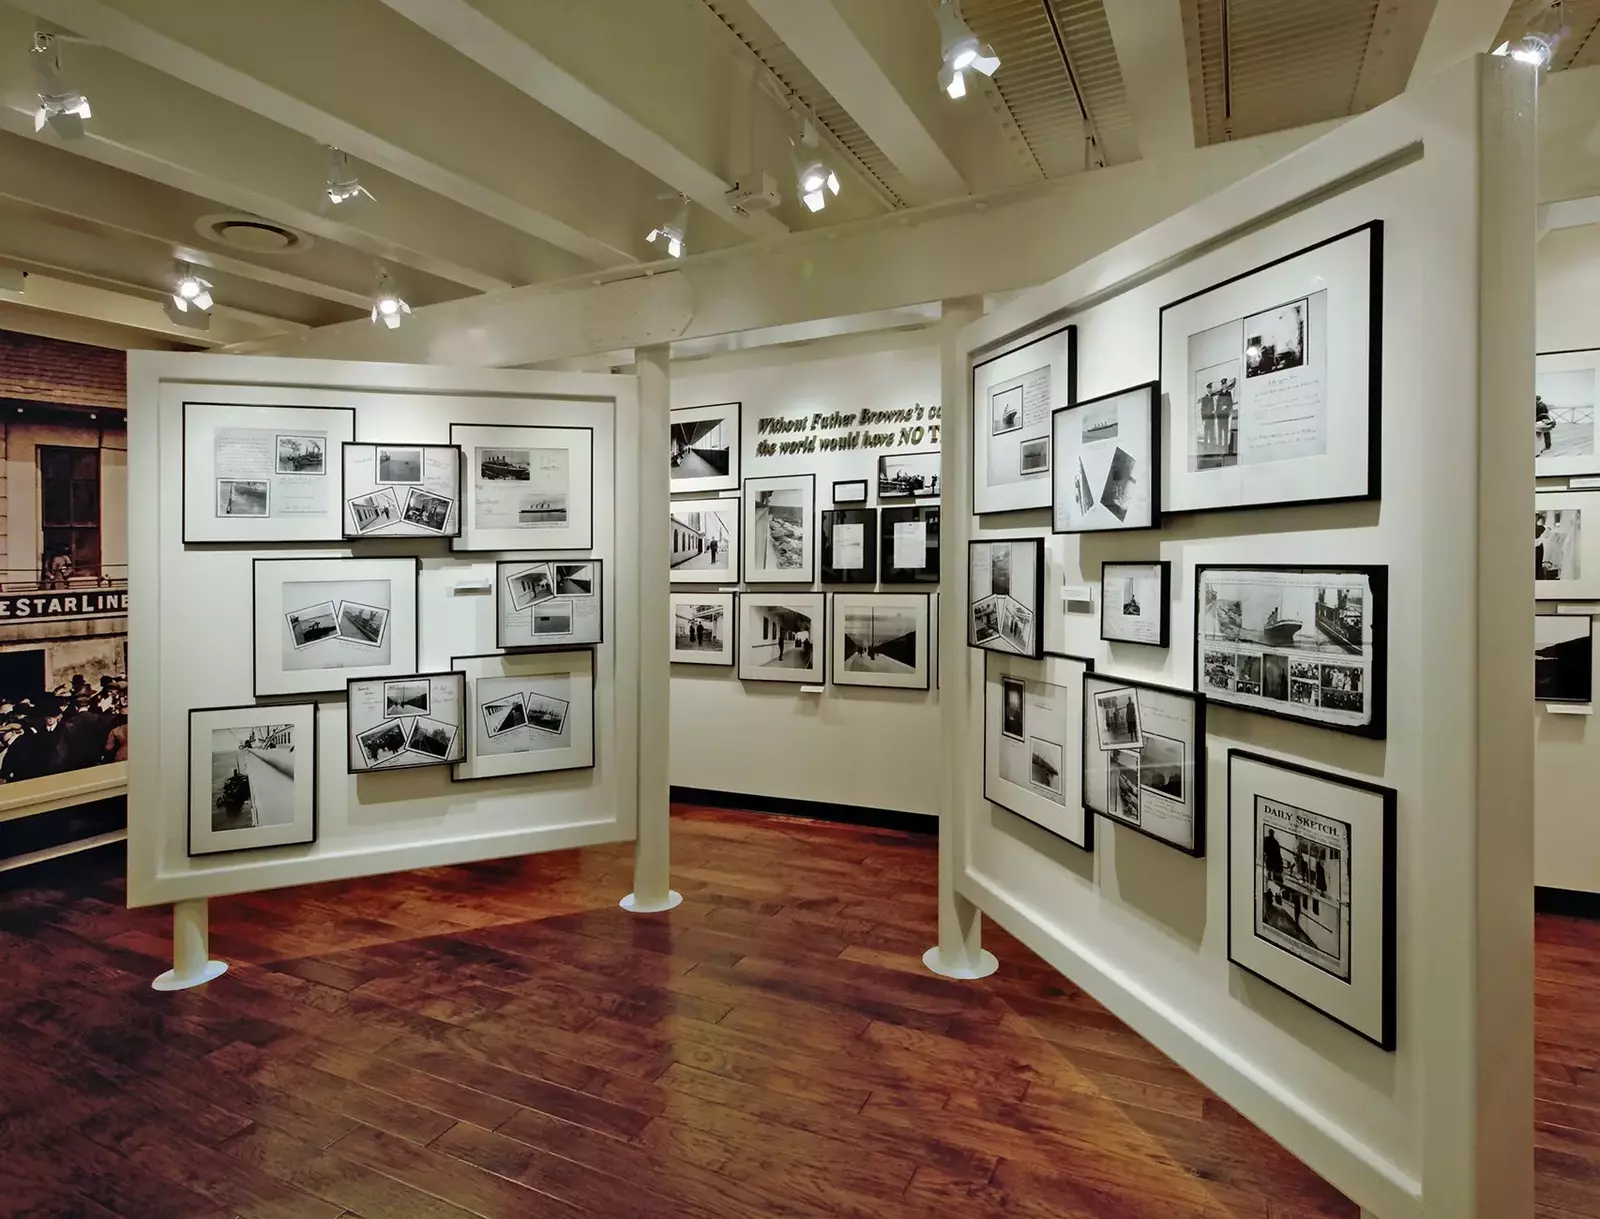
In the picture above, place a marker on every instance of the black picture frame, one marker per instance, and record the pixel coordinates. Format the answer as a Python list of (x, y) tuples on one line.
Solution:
[(569, 646), (1587, 695), (188, 802), (532, 543), (835, 630), (713, 482), (886, 492), (1087, 662), (1164, 638), (344, 498), (255, 592), (1019, 344), (1390, 884), (888, 518), (1198, 850), (747, 530), (349, 754), (1153, 388), (183, 484), (831, 519), (850, 498), (733, 629), (594, 718), (1378, 576), (1037, 544), (1374, 471)]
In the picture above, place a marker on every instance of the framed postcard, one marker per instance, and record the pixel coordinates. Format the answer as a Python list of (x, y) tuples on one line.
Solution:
[(401, 490), (850, 546), (1311, 888), (1301, 643), (1014, 395), (395, 723), (1563, 658), (1563, 413), (705, 540), (702, 628), (320, 622), (909, 544), (850, 491), (1272, 381), (908, 476), (1133, 602), (705, 448), (252, 777), (1032, 726), (779, 546), (1144, 759), (782, 637), (526, 488), (262, 473), (882, 639), (1566, 545), (549, 603), (1108, 462), (527, 713), (1005, 595)]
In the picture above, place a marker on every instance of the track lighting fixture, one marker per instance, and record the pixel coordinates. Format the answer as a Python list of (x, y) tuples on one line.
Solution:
[(674, 234), (343, 184), (60, 105), (962, 51), (387, 305), (190, 303), (814, 177), (1538, 45)]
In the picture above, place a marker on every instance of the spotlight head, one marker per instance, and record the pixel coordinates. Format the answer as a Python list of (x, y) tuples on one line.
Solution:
[(61, 106), (388, 307), (191, 296), (343, 185), (816, 179), (672, 235), (961, 51)]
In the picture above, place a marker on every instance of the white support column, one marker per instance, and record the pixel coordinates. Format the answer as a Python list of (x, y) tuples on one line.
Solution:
[(652, 881), (959, 952), (191, 948)]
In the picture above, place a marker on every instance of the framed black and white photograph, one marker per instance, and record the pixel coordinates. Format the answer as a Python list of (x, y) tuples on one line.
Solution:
[(1014, 395), (909, 544), (1271, 381), (526, 487), (1144, 759), (527, 713), (881, 639), (1133, 602), (849, 546), (779, 516), (320, 622), (1563, 413), (1005, 595), (1301, 643), (1107, 472), (850, 491), (702, 628), (254, 473), (401, 490), (549, 603), (908, 476), (1566, 545), (252, 777), (1563, 658), (1032, 726), (704, 540), (396, 723), (782, 637), (705, 448), (1311, 888)]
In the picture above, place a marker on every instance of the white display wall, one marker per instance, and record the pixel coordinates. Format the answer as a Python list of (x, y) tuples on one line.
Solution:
[(865, 748), (1567, 746), (191, 628), (1441, 1125)]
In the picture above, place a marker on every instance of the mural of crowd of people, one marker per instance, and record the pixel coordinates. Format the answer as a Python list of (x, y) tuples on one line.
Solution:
[(75, 725)]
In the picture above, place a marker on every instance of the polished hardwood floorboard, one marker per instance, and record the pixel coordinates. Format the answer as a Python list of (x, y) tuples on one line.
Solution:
[(500, 1041)]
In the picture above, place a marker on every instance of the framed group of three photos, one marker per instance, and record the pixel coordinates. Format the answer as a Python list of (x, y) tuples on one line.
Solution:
[(549, 603), (1005, 595)]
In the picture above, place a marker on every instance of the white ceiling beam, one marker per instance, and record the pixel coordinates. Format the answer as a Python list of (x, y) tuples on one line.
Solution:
[(1457, 29), (107, 305), (109, 27), (823, 40), (1148, 37), (18, 317), (486, 42)]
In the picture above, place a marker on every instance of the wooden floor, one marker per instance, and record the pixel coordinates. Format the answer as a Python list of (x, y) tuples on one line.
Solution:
[(501, 1041)]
